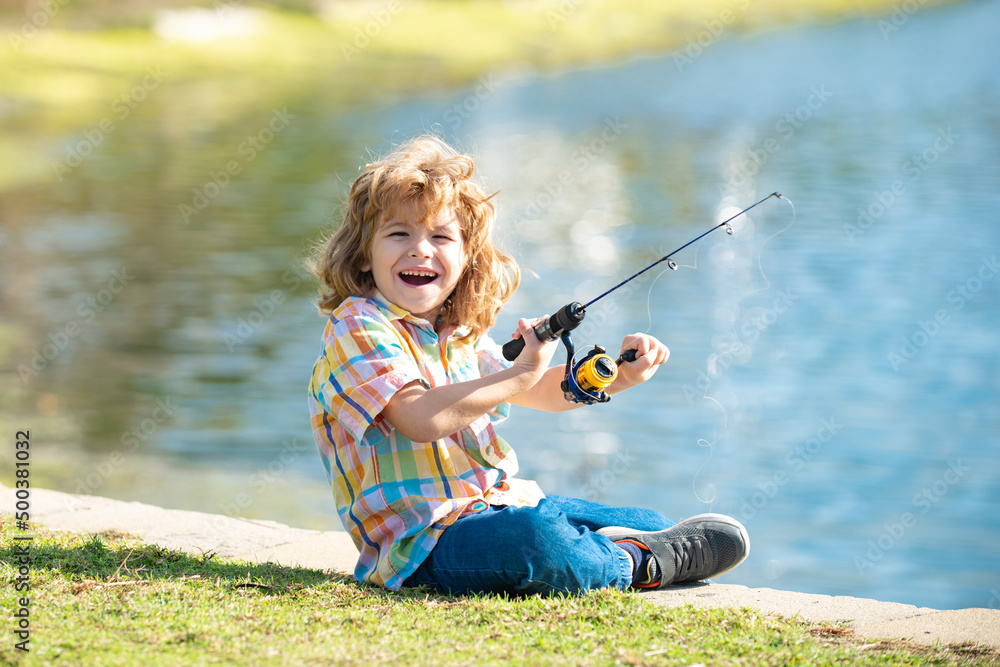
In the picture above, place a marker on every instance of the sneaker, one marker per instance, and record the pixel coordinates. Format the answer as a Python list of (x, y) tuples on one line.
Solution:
[(695, 549)]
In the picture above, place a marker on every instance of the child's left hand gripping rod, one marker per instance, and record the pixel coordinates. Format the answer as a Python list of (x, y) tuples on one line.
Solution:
[(563, 321)]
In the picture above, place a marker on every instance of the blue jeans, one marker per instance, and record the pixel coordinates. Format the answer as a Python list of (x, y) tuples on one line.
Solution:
[(546, 549)]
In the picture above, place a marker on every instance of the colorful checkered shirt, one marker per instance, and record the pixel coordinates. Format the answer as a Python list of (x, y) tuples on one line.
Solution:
[(395, 496)]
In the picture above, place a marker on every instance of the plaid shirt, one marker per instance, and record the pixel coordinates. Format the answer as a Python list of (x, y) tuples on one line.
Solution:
[(395, 496)]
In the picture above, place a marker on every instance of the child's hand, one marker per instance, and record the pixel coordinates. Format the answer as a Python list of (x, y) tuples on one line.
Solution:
[(650, 353), (536, 355)]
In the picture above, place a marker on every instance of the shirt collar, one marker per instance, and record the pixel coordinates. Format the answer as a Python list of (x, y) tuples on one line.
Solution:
[(394, 312), (391, 310)]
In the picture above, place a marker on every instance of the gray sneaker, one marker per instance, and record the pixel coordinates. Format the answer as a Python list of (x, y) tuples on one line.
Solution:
[(703, 546)]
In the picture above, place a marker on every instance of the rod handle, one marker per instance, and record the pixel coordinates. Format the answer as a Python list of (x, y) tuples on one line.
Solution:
[(628, 355), (562, 321)]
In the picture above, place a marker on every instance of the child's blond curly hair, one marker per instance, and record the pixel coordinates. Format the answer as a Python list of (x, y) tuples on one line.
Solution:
[(429, 174)]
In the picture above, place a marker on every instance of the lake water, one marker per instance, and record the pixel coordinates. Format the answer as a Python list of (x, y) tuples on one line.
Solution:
[(833, 371)]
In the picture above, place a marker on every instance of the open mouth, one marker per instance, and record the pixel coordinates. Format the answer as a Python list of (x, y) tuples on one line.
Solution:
[(416, 277)]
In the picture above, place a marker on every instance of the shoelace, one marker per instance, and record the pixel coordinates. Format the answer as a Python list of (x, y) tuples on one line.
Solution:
[(690, 555)]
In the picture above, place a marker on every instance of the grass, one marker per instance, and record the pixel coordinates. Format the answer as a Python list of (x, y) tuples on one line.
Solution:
[(111, 600)]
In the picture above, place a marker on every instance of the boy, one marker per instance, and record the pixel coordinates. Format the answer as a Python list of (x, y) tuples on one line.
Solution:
[(406, 391)]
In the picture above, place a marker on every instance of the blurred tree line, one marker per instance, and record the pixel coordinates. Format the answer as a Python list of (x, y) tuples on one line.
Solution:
[(91, 14)]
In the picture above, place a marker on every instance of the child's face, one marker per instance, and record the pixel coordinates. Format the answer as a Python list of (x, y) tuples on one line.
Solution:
[(416, 265)]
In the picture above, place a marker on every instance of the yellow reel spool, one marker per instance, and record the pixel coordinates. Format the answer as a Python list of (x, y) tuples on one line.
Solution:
[(596, 373)]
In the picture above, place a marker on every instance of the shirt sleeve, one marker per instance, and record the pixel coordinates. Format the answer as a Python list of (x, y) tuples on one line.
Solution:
[(365, 362), (491, 360)]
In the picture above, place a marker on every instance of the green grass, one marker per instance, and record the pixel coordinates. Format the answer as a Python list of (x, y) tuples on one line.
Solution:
[(110, 600)]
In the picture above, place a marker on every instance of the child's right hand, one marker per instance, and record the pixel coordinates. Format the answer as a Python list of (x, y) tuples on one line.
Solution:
[(536, 355)]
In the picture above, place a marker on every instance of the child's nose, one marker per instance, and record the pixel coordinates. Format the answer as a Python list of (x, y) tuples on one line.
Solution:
[(421, 247)]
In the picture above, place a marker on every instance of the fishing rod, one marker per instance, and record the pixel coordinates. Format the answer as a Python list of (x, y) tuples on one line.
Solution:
[(586, 380)]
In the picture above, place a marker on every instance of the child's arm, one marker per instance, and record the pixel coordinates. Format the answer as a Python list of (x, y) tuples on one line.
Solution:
[(425, 415)]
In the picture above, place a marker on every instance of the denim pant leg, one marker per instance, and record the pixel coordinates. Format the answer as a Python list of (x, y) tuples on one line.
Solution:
[(546, 549), (596, 515)]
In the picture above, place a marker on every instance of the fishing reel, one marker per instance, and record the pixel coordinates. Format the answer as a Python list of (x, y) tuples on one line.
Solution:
[(588, 376)]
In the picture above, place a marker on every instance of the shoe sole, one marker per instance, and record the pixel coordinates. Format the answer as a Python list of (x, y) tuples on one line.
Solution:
[(613, 532)]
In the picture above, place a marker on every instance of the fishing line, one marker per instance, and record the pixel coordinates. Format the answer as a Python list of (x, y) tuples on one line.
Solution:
[(702, 442), (649, 293), (760, 255)]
